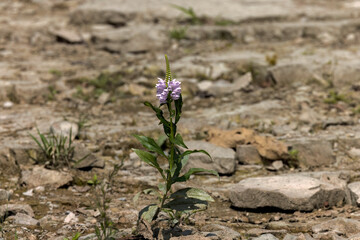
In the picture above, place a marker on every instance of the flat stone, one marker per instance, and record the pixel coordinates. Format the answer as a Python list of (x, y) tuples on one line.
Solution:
[(5, 195), (68, 36), (15, 208), (267, 236), (247, 154), (39, 176), (287, 192), (223, 159), (355, 190), (86, 158), (24, 219), (300, 236), (63, 128), (342, 226), (313, 152), (220, 231)]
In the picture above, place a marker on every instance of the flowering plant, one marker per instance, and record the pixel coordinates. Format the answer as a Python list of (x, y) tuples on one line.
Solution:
[(184, 202)]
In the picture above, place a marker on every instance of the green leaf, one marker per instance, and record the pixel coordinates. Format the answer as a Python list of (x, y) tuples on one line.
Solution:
[(149, 159), (178, 107), (160, 116), (192, 171), (186, 204), (152, 191), (136, 197), (148, 212), (179, 141), (161, 140), (150, 144), (192, 193), (188, 152), (162, 188), (179, 165)]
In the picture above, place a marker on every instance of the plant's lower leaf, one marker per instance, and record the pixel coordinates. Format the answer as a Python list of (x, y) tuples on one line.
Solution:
[(162, 188), (192, 171), (186, 204), (192, 193), (148, 212), (136, 197)]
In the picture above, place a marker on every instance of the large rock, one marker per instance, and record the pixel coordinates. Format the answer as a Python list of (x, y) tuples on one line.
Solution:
[(39, 176), (24, 219), (267, 236), (313, 152), (223, 159), (342, 226), (288, 192)]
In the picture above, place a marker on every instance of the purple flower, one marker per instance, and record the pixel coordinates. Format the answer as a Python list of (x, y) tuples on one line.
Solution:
[(175, 89), (162, 91)]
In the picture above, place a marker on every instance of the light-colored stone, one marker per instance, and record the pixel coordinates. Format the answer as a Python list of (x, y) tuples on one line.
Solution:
[(86, 159), (24, 219), (16, 208), (5, 195), (220, 231), (288, 192), (39, 176), (267, 236), (355, 190), (223, 159), (313, 152), (300, 236), (63, 128), (247, 154), (342, 226)]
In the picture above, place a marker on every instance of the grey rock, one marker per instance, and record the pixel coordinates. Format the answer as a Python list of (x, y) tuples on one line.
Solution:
[(344, 226), (313, 152), (267, 236), (24, 219), (68, 36), (277, 165), (220, 231), (63, 128), (5, 195), (14, 209), (8, 164), (355, 190), (247, 154), (287, 192), (142, 38), (39, 176), (291, 73), (223, 159), (91, 236), (300, 236), (86, 159)]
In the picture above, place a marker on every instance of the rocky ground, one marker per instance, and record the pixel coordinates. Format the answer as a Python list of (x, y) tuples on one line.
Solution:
[(270, 88)]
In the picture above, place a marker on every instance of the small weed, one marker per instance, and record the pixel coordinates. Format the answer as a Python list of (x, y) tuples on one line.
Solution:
[(55, 72), (194, 19), (178, 33), (105, 230), (52, 93), (75, 237), (271, 59), (294, 154), (82, 122), (356, 110), (57, 150), (224, 22), (334, 97), (81, 95)]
